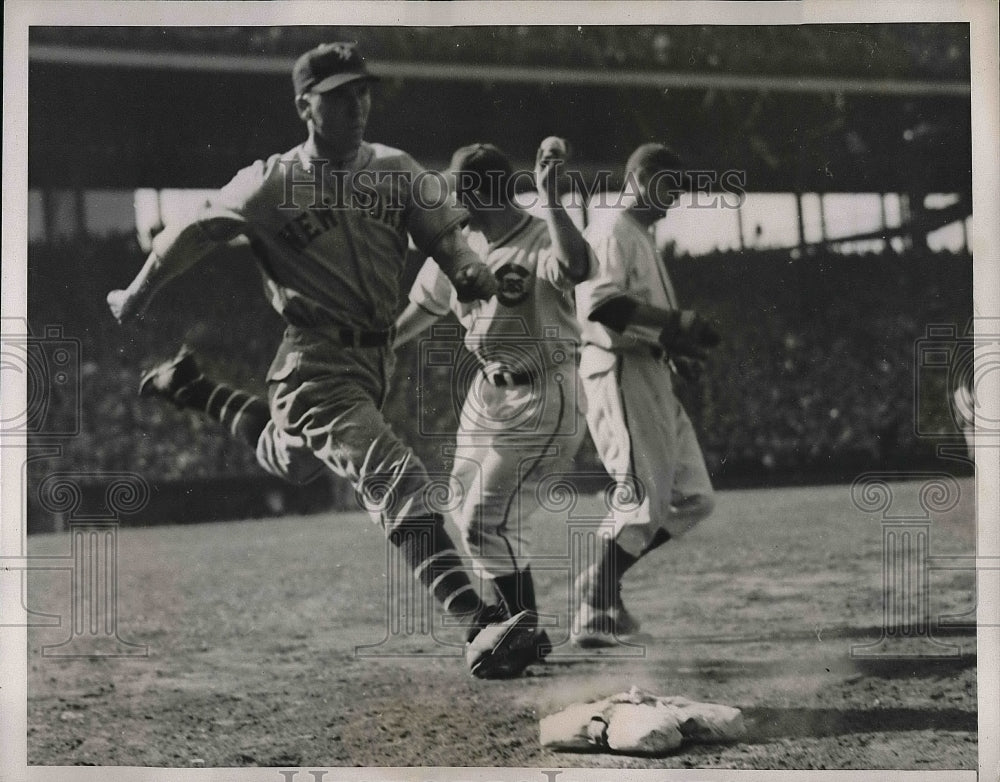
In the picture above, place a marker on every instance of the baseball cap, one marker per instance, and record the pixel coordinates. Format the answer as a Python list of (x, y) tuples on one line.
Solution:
[(328, 66), (651, 158)]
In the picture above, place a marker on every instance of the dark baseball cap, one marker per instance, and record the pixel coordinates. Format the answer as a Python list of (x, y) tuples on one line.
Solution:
[(328, 66)]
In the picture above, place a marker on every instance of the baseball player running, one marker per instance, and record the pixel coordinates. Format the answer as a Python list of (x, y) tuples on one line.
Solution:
[(520, 419), (328, 221), (635, 338)]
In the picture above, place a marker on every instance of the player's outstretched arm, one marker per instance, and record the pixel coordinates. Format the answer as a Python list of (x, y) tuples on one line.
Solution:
[(130, 303), (471, 277), (175, 250), (570, 248)]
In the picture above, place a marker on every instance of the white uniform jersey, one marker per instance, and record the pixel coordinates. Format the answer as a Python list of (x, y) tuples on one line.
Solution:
[(331, 244), (639, 427), (509, 437), (629, 264), (533, 308)]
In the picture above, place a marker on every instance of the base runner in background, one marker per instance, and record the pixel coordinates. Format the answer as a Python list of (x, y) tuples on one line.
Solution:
[(520, 419), (635, 339), (328, 221)]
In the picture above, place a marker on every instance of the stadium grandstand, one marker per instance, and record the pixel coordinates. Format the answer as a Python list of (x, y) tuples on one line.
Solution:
[(866, 51), (858, 134)]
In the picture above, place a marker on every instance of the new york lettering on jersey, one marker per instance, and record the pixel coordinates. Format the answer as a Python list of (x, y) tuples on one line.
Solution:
[(340, 234), (324, 197)]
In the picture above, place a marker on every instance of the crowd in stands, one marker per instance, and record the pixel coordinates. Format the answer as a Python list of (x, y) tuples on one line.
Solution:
[(862, 50), (817, 369), (219, 309)]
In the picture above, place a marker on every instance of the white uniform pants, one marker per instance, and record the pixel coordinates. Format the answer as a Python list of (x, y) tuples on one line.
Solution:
[(647, 443), (509, 439)]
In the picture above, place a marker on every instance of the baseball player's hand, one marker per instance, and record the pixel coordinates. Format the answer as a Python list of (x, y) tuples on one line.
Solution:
[(688, 334), (688, 368), (475, 281), (130, 304), (123, 306), (550, 161)]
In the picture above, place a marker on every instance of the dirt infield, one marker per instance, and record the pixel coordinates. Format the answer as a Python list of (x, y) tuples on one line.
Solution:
[(772, 605)]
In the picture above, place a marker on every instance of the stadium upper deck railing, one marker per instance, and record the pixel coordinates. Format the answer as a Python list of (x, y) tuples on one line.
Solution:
[(864, 50)]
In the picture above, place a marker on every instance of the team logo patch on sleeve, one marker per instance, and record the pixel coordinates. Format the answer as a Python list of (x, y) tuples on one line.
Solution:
[(513, 280)]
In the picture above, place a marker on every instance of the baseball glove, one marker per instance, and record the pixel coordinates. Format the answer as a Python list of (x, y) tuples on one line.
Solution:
[(688, 368), (475, 281), (688, 334)]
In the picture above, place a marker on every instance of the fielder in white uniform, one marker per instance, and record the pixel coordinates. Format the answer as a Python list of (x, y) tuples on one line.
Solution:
[(634, 337), (521, 419), (329, 222)]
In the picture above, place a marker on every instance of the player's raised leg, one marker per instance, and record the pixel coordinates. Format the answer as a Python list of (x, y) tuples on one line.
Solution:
[(182, 382), (310, 426), (324, 407)]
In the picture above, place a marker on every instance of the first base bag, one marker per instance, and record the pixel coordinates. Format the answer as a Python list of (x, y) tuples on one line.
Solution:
[(639, 723)]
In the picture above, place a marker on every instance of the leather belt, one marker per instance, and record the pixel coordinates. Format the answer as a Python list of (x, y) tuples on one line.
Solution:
[(505, 379), (350, 338)]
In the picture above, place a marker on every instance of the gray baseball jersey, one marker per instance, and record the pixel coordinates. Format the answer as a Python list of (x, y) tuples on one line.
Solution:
[(331, 246)]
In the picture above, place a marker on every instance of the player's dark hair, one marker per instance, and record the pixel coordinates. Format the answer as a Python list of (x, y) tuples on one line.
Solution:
[(650, 159), (483, 170)]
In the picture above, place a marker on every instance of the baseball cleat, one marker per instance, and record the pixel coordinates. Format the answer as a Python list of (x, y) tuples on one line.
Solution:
[(602, 613), (502, 650), (169, 379), (595, 626), (592, 628), (624, 622)]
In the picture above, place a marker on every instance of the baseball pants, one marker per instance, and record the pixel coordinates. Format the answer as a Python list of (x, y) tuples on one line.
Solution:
[(647, 442), (509, 439), (325, 402)]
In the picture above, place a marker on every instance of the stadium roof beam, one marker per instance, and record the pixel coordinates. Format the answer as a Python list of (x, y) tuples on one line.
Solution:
[(230, 63)]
